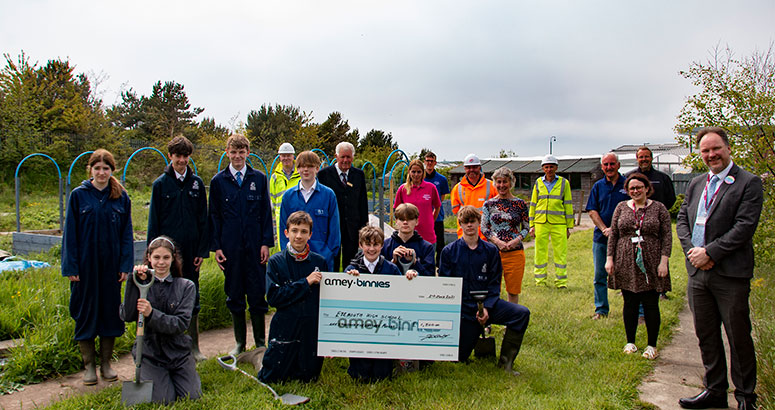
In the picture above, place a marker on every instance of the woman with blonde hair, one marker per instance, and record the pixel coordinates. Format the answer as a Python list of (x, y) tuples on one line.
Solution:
[(424, 196), (97, 255), (505, 224)]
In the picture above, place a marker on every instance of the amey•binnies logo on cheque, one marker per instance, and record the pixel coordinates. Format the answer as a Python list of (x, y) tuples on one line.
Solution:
[(358, 282)]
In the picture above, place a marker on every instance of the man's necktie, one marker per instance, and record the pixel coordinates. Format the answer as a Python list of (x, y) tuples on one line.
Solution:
[(344, 178), (238, 177), (698, 233)]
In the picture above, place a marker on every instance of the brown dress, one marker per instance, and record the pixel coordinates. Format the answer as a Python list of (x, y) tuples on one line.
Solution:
[(657, 241)]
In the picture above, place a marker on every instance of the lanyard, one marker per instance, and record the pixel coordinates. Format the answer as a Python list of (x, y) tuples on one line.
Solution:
[(713, 197), (638, 223)]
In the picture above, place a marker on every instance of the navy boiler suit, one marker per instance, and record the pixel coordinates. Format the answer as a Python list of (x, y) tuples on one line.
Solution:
[(480, 269), (179, 210), (371, 369), (293, 334), (240, 224), (96, 245)]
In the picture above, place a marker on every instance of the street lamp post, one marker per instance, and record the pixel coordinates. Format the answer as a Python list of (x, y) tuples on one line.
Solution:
[(551, 139)]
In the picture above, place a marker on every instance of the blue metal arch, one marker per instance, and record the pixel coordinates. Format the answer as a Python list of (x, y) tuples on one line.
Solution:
[(193, 164), (72, 164), (220, 161), (387, 161), (126, 166), (274, 162), (266, 171), (374, 179), (18, 183), (327, 161)]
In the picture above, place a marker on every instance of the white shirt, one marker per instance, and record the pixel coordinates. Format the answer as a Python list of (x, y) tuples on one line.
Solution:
[(339, 172), (307, 193), (182, 176), (370, 265), (234, 171)]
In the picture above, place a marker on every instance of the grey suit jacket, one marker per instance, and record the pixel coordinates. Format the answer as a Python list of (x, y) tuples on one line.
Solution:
[(731, 223)]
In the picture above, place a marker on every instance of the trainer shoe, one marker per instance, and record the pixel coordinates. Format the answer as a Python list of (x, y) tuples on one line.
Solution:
[(650, 353), (630, 348)]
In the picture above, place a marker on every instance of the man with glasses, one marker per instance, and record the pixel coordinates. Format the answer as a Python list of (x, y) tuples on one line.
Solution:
[(603, 198)]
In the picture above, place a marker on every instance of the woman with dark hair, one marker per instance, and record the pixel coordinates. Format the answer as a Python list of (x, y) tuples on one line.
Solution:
[(637, 260), (422, 194), (97, 255), (167, 359)]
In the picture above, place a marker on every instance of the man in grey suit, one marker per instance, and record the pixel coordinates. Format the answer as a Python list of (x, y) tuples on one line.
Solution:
[(716, 224)]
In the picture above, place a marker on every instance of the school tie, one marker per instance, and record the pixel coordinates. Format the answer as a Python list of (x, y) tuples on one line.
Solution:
[(238, 177), (344, 178), (698, 233)]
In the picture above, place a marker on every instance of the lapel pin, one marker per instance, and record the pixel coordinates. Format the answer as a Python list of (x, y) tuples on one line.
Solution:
[(729, 180)]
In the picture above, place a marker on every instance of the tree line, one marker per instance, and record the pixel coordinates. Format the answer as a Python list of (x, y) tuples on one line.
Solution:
[(54, 110)]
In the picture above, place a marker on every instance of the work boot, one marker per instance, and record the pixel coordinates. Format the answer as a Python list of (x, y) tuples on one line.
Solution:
[(240, 332), (259, 329), (106, 355), (512, 341), (193, 331), (88, 353)]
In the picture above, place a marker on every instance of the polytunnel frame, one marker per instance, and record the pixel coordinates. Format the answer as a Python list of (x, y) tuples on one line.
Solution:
[(18, 186), (220, 161), (126, 166), (382, 185)]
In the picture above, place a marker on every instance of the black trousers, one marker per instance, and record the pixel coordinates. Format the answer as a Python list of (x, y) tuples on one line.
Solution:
[(632, 302), (716, 300), (438, 228)]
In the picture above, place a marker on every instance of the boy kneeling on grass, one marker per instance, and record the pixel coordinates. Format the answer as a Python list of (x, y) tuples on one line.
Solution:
[(369, 261), (293, 288), (405, 241), (478, 263)]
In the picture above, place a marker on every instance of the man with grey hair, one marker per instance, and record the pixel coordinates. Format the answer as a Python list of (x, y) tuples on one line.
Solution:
[(603, 198), (349, 185)]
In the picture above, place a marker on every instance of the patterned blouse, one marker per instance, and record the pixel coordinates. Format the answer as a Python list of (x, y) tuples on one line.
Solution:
[(506, 218)]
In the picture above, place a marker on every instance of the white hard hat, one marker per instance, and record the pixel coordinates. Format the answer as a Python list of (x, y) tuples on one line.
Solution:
[(286, 148), (549, 159), (471, 159)]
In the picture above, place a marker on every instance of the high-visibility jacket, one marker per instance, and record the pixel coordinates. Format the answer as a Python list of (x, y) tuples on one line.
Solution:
[(555, 207), (278, 184), (475, 195)]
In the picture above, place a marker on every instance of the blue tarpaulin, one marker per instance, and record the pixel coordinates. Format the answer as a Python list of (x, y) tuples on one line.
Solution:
[(16, 263)]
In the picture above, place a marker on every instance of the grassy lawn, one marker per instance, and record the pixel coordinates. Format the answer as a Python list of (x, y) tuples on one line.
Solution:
[(567, 361)]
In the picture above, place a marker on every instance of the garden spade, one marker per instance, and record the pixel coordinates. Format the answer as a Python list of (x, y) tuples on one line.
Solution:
[(138, 391), (230, 363)]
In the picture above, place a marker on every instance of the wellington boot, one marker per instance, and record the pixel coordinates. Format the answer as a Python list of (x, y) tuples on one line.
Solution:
[(259, 329), (512, 341), (106, 355), (88, 353), (193, 331), (240, 332)]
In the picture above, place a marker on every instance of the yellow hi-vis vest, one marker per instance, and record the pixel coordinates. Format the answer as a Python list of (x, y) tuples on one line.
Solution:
[(278, 184), (555, 207)]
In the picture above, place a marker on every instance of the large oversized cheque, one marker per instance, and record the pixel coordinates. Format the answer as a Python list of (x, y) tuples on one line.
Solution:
[(389, 317)]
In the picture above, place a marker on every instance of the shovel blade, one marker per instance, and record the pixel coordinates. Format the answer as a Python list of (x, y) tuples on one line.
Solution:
[(136, 392), (292, 399)]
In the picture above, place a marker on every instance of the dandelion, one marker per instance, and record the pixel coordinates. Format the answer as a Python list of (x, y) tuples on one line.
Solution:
[(758, 282)]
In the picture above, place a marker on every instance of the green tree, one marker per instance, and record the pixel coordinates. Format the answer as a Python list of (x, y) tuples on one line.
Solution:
[(271, 126), (19, 111), (377, 139), (168, 112), (333, 131)]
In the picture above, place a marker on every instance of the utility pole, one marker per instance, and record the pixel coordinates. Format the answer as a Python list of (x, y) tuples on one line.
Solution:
[(552, 138)]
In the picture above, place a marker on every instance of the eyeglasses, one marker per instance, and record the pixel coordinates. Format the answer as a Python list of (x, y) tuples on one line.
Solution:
[(637, 188)]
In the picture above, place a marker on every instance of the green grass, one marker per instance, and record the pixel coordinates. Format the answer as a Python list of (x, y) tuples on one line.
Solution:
[(34, 306), (567, 361)]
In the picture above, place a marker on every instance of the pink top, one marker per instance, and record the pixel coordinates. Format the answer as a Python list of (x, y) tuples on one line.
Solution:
[(426, 199)]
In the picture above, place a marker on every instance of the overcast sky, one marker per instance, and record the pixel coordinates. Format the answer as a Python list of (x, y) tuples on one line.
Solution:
[(453, 76)]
